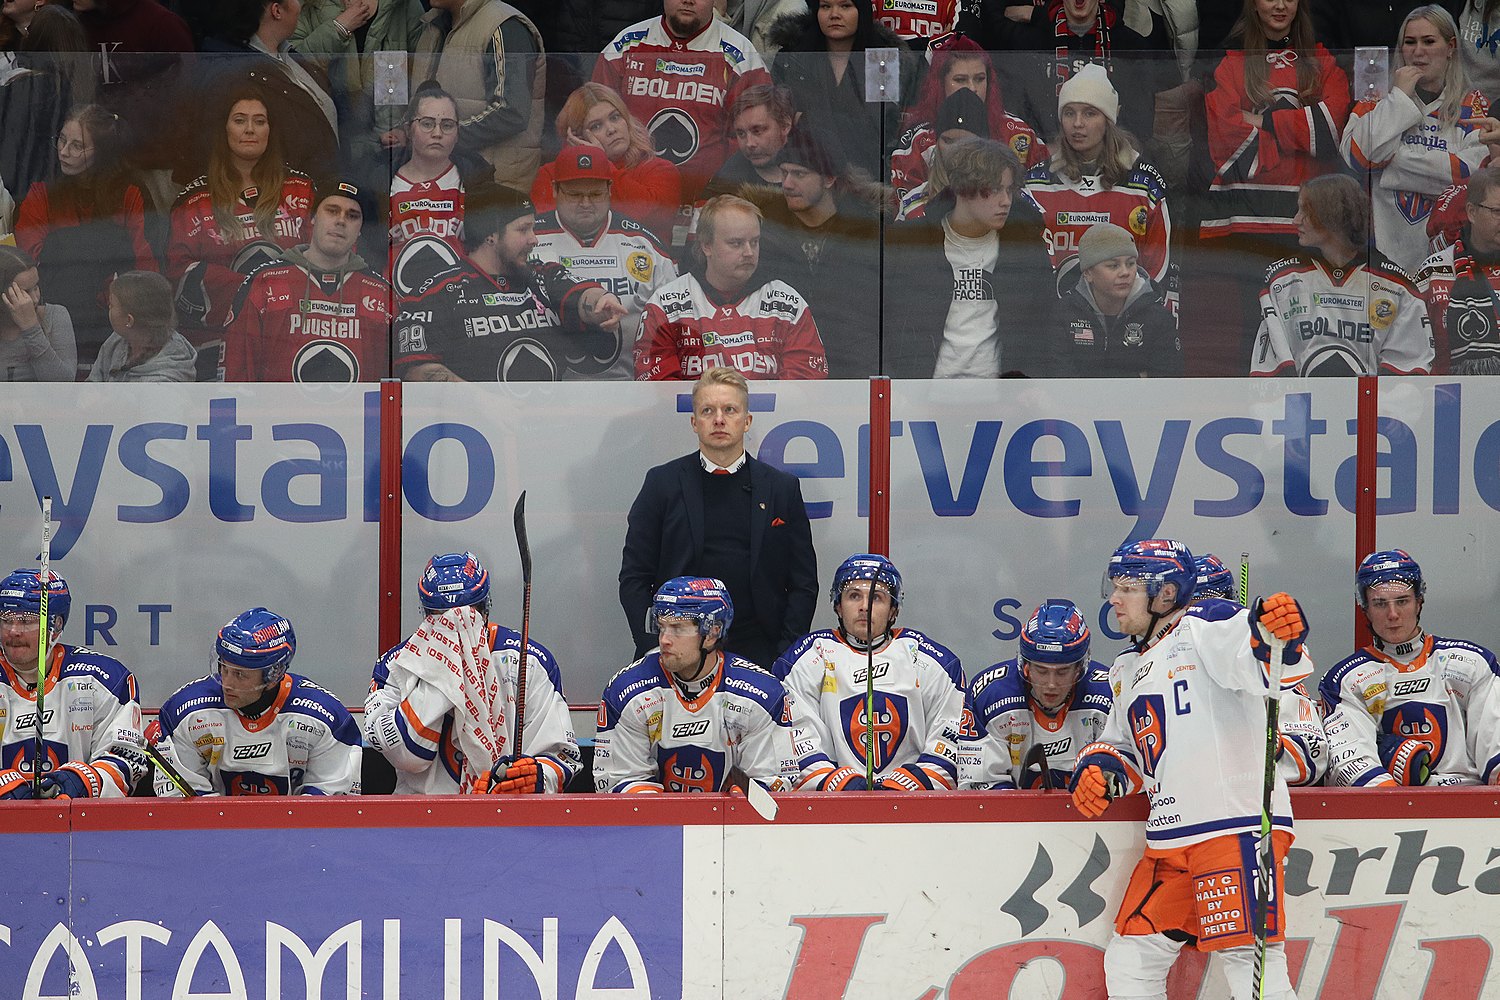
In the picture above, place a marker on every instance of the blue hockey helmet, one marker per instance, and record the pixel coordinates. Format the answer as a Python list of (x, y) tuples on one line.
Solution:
[(1214, 578), (1156, 562), (22, 591), (257, 640), (701, 598), (1056, 635), (867, 566), (453, 580), (1387, 566)]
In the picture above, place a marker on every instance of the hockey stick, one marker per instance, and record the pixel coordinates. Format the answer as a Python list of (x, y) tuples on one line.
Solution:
[(1265, 880), (1037, 757), (1244, 579), (525, 548), (870, 688), (755, 793), (43, 647), (173, 775)]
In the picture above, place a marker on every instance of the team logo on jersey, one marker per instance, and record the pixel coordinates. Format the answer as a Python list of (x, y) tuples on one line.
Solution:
[(640, 266), (1414, 207), (1405, 689), (325, 361), (1418, 721), (1382, 313), (1022, 146), (692, 769), (1138, 220), (890, 726), (251, 751), (419, 261), (1148, 723), (526, 360), (250, 783), (687, 730), (674, 134), (1332, 360), (1134, 335)]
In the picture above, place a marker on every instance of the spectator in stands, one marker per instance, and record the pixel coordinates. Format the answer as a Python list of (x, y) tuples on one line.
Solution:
[(961, 116), (1113, 322), (1419, 138), (427, 191), (318, 314), (36, 340), (1066, 35), (719, 510), (921, 26), (822, 237), (15, 19), (145, 345), (681, 73), (595, 243), (581, 28), (254, 46), (822, 62), (1478, 26), (728, 312), (760, 118), (967, 289), (958, 64), (1459, 282), (499, 315), (140, 52), (244, 211), (1097, 174), (1339, 307), (645, 188), (489, 56), (87, 225), (51, 78), (354, 42), (1276, 108)]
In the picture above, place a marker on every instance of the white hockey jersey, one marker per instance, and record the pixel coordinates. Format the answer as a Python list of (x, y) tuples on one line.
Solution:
[(1009, 724), (626, 259), (1411, 157), (410, 721), (1445, 692), (919, 705), (92, 715), (1189, 726), (1362, 319), (652, 739), (305, 743)]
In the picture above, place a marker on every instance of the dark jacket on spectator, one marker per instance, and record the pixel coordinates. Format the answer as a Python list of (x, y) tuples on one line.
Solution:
[(33, 106), (1141, 340), (1343, 25), (143, 58), (918, 288), (586, 26)]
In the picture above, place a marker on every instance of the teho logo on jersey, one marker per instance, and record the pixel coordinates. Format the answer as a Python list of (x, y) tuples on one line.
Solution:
[(252, 751), (1404, 689), (684, 730)]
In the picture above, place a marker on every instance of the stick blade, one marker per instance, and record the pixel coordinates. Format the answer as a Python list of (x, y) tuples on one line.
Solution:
[(521, 541), (755, 793)]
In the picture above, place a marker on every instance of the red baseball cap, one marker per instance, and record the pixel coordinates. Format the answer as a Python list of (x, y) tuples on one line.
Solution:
[(582, 163)]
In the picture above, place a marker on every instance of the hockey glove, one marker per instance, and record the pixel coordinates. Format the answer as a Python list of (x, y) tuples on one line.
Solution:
[(1099, 779), (514, 776), (1408, 761), (1281, 616), (843, 779), (153, 733), (14, 785), (73, 780), (911, 778)]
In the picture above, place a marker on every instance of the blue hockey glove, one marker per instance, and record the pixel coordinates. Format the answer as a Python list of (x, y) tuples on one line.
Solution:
[(1409, 761), (14, 785), (73, 780), (1279, 615)]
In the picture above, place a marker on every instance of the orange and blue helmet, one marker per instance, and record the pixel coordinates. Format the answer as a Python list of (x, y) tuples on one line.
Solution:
[(1056, 635), (1214, 578), (453, 580), (1387, 566), (22, 591), (700, 598), (257, 639), (1156, 561)]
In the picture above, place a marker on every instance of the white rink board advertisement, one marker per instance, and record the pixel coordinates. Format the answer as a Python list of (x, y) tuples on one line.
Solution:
[(1377, 910), (179, 506)]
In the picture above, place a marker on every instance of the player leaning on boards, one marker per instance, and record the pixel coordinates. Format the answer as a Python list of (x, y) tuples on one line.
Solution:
[(1049, 702), (413, 714), (687, 714), (1412, 708), (1188, 728), (835, 676), (254, 728), (92, 743)]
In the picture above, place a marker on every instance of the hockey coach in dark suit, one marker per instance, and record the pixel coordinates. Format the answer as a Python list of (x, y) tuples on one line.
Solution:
[(720, 513)]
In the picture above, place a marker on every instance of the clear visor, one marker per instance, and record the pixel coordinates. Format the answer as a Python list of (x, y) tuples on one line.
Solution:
[(1061, 671), (1109, 586), (236, 673), (20, 619), (669, 623)]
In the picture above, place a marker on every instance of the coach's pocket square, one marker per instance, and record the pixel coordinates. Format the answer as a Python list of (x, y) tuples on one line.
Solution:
[(777, 522)]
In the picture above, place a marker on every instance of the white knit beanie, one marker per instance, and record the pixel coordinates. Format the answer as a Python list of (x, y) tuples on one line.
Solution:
[(1090, 85)]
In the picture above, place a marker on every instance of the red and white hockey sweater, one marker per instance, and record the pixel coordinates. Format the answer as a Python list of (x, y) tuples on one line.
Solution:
[(912, 160)]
